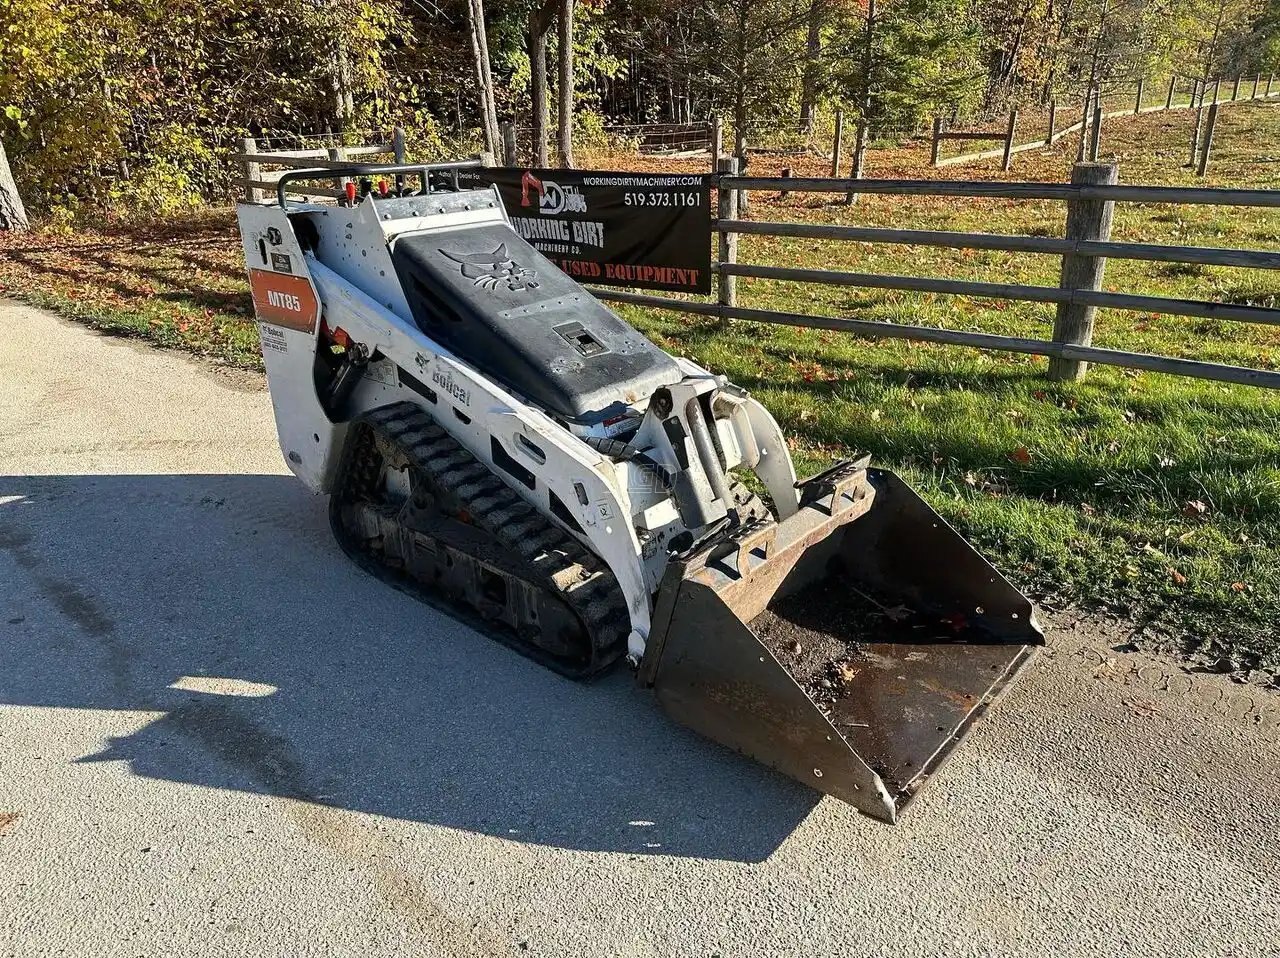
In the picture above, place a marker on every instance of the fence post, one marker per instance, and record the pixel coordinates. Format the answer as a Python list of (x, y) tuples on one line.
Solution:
[(508, 131), (1086, 220), (1208, 140), (786, 175), (937, 142), (1008, 140), (837, 148), (1137, 105), (727, 209), (1235, 89), (717, 139), (252, 171), (1168, 101), (1095, 135), (1270, 76), (1256, 81), (397, 144), (1053, 121)]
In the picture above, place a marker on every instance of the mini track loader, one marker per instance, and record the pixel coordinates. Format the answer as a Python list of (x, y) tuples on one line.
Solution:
[(497, 442)]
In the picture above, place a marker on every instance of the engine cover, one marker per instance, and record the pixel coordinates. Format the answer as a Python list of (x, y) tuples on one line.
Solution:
[(499, 304)]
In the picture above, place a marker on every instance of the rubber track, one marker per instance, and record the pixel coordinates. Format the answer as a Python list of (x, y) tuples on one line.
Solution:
[(557, 562)]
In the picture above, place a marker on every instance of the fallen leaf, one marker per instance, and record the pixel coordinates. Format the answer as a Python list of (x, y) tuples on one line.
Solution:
[(1237, 587), (1194, 509), (1021, 455), (1177, 577)]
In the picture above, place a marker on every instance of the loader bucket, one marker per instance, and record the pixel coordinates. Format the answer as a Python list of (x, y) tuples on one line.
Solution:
[(850, 646)]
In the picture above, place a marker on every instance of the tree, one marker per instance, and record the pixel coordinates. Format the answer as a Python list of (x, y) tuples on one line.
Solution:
[(13, 215), (811, 76), (484, 76), (907, 59), (565, 84), (540, 16)]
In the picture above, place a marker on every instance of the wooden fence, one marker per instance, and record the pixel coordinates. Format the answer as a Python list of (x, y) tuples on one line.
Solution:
[(260, 184), (1092, 115), (1090, 196)]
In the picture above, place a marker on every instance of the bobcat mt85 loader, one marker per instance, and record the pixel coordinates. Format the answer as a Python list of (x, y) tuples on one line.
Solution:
[(497, 442)]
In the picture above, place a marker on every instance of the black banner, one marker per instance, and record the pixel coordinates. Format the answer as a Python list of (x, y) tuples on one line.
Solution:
[(615, 229)]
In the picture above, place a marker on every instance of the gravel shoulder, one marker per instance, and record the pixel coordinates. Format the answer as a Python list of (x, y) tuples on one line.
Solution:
[(218, 736)]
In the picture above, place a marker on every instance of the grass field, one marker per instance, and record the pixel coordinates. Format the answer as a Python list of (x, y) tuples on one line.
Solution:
[(1155, 496)]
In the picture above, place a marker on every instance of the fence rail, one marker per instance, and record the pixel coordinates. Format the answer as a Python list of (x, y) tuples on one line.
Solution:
[(1091, 116), (1084, 249), (258, 184), (1068, 352)]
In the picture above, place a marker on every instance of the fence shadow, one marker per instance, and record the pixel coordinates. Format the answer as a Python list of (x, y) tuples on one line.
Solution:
[(279, 668)]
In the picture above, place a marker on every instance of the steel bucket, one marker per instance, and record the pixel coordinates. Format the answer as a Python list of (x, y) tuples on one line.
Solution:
[(850, 646)]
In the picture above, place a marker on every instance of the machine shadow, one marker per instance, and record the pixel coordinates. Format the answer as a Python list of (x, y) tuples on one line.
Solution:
[(221, 602)]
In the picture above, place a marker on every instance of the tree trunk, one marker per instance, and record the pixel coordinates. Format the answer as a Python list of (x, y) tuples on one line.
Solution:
[(13, 215), (565, 88), (812, 51), (1198, 103), (868, 81), (344, 106), (480, 51), (740, 85), (539, 21)]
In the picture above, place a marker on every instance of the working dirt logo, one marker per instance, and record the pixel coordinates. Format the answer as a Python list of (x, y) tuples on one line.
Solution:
[(492, 270), (552, 197)]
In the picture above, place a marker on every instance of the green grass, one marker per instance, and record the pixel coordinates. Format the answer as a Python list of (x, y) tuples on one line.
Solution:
[(1156, 496)]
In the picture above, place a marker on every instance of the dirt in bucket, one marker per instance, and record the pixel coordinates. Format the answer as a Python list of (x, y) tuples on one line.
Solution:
[(820, 634), (895, 681)]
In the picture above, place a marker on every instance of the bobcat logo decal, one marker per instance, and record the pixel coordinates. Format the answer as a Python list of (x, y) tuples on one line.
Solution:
[(492, 270)]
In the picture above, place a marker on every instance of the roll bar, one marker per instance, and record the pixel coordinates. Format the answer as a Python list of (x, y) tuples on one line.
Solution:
[(340, 171)]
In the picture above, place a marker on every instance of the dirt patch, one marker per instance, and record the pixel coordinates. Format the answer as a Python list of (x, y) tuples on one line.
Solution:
[(8, 821)]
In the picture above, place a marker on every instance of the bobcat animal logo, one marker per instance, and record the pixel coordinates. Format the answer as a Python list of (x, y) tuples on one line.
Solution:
[(492, 270)]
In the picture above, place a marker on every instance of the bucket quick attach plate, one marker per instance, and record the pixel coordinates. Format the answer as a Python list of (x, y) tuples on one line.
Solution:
[(850, 646)]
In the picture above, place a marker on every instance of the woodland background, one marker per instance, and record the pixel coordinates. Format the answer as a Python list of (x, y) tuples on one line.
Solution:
[(136, 104)]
